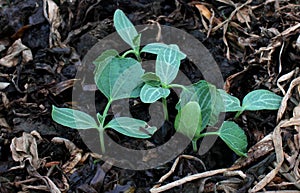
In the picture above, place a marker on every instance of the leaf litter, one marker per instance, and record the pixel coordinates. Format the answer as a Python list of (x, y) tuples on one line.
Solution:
[(259, 38)]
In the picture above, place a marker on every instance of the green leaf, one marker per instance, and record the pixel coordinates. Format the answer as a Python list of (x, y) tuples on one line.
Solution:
[(102, 60), (217, 107), (167, 65), (188, 120), (104, 56), (73, 118), (125, 28), (261, 100), (151, 79), (234, 137), (232, 104), (137, 91), (155, 48), (150, 94), (137, 42), (131, 127), (119, 78), (208, 98)]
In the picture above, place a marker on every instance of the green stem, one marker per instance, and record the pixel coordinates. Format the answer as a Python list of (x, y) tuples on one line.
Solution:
[(128, 52), (165, 107), (135, 52), (194, 143), (105, 111), (238, 114), (208, 134), (101, 136), (177, 86), (101, 127)]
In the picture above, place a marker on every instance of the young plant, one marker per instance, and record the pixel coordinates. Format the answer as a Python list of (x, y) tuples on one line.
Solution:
[(117, 78), (200, 104)]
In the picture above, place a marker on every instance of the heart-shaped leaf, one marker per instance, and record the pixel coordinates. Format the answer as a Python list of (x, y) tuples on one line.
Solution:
[(125, 28), (150, 94), (119, 78), (234, 137), (131, 127), (73, 118), (261, 100), (188, 120), (232, 104)]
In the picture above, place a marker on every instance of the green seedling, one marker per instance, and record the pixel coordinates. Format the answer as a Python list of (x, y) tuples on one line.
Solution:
[(118, 77)]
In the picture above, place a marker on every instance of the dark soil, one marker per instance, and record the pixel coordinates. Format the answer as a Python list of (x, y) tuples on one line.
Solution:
[(48, 80)]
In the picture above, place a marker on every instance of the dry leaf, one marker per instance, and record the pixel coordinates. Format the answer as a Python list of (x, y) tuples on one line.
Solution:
[(3, 123), (51, 13), (298, 43), (25, 149), (243, 15), (62, 86), (76, 153), (204, 11), (283, 105), (16, 49), (3, 85), (284, 78)]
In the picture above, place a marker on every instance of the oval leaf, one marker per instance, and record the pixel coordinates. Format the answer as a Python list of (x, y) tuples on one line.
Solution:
[(150, 94), (119, 78), (73, 118), (261, 100), (188, 120), (125, 28), (154, 48), (207, 97), (234, 137), (151, 79), (167, 65), (131, 127), (232, 104)]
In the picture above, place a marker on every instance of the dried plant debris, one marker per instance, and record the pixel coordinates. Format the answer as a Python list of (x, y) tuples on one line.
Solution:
[(12, 56)]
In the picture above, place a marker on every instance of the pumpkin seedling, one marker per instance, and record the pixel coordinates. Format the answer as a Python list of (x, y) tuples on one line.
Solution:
[(120, 77)]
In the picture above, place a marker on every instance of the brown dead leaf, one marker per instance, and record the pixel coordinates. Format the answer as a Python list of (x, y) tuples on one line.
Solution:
[(5, 100), (3, 123), (243, 15), (25, 149), (51, 13), (62, 86), (76, 153), (234, 79), (284, 78), (203, 11), (277, 141), (16, 49), (283, 105)]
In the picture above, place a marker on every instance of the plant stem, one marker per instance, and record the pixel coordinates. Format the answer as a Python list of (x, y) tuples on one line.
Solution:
[(165, 107), (194, 143), (101, 127), (128, 52), (135, 52), (177, 86), (238, 114), (105, 111), (208, 134), (101, 136)]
